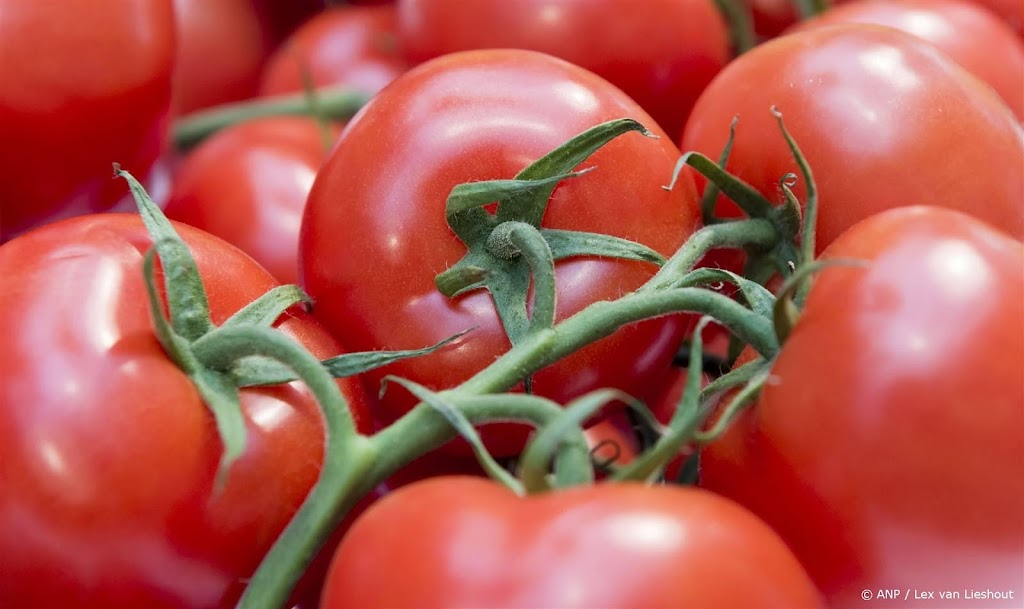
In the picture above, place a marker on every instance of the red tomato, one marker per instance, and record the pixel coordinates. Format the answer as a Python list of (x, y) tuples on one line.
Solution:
[(1010, 11), (661, 53), (466, 542), (82, 84), (886, 448), (248, 185), (884, 119), (108, 455), (222, 45), (353, 46), (770, 17), (970, 35), (374, 235)]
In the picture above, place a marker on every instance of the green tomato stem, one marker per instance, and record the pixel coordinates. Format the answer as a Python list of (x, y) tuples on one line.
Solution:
[(334, 103), (752, 233)]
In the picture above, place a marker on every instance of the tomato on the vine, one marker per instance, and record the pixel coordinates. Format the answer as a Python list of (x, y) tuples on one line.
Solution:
[(83, 84), (108, 455), (661, 53), (248, 185), (883, 118), (467, 542), (886, 447), (969, 34), (354, 47), (374, 234), (222, 46)]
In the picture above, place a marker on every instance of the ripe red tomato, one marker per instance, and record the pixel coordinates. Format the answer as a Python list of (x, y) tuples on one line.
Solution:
[(222, 45), (886, 447), (969, 34), (1010, 11), (662, 54), (883, 118), (466, 542), (248, 185), (352, 46), (374, 234), (82, 84), (107, 453)]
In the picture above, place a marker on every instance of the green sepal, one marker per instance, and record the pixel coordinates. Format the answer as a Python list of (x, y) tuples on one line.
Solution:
[(259, 371), (570, 244), (460, 424), (562, 160), (265, 310), (744, 195), (537, 457), (709, 199), (758, 298), (186, 295)]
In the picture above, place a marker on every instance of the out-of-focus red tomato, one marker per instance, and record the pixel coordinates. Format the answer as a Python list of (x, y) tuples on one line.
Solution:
[(354, 46), (222, 45), (248, 185), (661, 53), (83, 84)]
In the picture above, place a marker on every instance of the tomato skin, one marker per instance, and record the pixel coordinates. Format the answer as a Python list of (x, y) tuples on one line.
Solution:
[(107, 453), (969, 34), (873, 111), (662, 53), (847, 453), (605, 546), (374, 236), (221, 50), (351, 46), (248, 185), (82, 84)]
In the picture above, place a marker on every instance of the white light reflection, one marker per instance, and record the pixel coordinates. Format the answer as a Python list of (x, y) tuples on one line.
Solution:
[(268, 415), (959, 269), (646, 532), (888, 64)]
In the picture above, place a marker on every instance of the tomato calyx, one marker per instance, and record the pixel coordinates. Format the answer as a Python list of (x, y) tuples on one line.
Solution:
[(741, 26), (507, 247)]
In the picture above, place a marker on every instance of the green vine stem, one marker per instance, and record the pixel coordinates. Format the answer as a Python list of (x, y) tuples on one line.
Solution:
[(363, 464), (741, 28), (809, 8), (335, 103)]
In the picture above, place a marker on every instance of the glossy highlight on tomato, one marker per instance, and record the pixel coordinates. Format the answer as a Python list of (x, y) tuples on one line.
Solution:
[(374, 234), (107, 453)]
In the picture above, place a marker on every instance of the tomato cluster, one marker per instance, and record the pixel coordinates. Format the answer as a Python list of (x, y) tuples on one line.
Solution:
[(660, 303)]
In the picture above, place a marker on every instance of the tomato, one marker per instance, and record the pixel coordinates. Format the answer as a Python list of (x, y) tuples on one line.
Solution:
[(221, 50), (1010, 11), (107, 453), (466, 542), (351, 46), (883, 118), (248, 185), (886, 448), (771, 17), (662, 53), (374, 235), (82, 84), (970, 35)]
